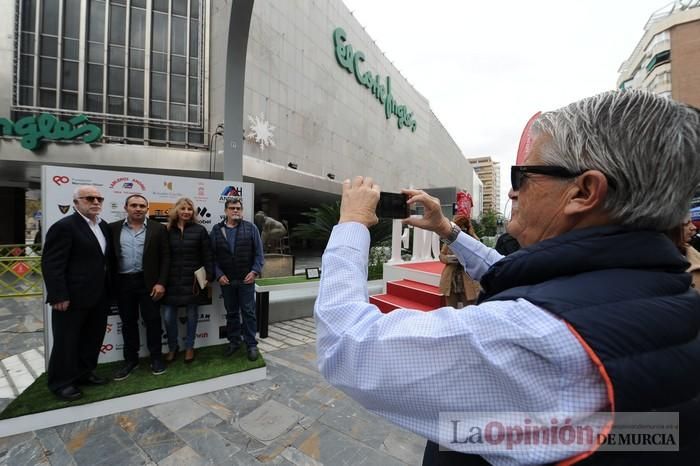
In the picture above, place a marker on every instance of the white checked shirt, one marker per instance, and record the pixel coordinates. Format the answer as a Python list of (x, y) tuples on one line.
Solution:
[(96, 230), (409, 366)]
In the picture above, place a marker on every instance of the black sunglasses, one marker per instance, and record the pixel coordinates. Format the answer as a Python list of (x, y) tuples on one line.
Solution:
[(518, 172), (92, 198)]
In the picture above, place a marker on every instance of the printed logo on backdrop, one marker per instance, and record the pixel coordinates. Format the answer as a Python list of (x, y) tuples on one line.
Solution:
[(230, 192), (203, 216), (168, 185), (201, 195), (124, 184), (59, 180), (168, 191), (63, 208)]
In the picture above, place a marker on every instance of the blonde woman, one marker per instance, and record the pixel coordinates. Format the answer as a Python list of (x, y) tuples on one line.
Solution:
[(189, 250)]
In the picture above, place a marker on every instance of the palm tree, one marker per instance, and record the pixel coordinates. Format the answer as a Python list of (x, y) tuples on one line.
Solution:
[(322, 219)]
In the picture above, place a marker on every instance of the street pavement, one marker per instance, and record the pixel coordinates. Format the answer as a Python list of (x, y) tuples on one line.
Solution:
[(292, 417)]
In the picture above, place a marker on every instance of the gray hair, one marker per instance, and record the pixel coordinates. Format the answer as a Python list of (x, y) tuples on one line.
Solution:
[(647, 146), (76, 191)]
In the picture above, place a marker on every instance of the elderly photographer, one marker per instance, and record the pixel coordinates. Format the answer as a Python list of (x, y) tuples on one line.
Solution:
[(594, 315)]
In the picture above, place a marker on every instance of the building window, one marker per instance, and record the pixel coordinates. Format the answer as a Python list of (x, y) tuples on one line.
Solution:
[(142, 76)]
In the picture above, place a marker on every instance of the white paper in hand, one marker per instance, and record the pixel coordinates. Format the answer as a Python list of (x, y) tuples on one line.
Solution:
[(201, 275)]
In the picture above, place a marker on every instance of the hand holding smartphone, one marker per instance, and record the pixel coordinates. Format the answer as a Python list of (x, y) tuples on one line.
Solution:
[(392, 205)]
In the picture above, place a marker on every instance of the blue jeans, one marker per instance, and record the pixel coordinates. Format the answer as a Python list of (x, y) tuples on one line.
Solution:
[(239, 300), (170, 317)]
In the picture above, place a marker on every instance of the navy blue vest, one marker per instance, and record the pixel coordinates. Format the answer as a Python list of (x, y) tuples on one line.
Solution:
[(235, 265), (627, 295)]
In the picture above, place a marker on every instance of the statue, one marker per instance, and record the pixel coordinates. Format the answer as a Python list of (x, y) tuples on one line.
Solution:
[(271, 231)]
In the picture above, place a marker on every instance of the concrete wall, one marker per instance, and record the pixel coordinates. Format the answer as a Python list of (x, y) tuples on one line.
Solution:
[(325, 122)]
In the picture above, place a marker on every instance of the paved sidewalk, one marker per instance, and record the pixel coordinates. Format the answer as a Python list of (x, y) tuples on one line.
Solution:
[(293, 417)]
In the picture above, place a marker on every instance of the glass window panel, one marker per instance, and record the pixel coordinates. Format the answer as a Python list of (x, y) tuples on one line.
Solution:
[(115, 105), (135, 83), (26, 69), (139, 3), (194, 67), (193, 114), (117, 24), (28, 15), (116, 55), (177, 89), (179, 35), (115, 81), (135, 107), (177, 135), (94, 102), (158, 87), (160, 32), (27, 43), (115, 130), (26, 96), (69, 100), (136, 58), (160, 5), (70, 75), (159, 62), (194, 8), (96, 53), (157, 133), (49, 17), (196, 137), (70, 49), (137, 28), (194, 91), (134, 132), (47, 72), (180, 7), (47, 98), (118, 2), (94, 78), (194, 38), (96, 24), (48, 46), (178, 112), (71, 21), (158, 109), (178, 65)]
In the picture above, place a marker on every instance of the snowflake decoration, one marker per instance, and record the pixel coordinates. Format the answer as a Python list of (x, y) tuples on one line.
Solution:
[(260, 131)]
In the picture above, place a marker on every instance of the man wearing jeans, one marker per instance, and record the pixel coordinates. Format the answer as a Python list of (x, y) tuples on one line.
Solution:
[(238, 260), (143, 254)]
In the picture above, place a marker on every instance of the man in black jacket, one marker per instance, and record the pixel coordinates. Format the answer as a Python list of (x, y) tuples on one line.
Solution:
[(238, 259), (143, 255), (76, 263)]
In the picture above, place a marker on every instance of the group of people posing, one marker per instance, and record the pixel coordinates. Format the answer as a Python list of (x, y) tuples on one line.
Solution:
[(144, 264)]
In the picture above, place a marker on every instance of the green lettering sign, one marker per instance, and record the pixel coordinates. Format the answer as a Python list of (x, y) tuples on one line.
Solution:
[(350, 60), (33, 129)]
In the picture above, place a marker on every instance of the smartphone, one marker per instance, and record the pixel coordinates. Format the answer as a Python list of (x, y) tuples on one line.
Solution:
[(392, 205)]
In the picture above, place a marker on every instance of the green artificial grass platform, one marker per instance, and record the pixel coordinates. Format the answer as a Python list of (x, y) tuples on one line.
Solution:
[(284, 280), (209, 363)]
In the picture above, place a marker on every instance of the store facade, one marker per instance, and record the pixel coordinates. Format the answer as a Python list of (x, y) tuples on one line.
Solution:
[(140, 85)]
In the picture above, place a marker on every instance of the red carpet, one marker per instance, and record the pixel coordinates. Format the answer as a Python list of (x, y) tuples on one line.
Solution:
[(434, 267)]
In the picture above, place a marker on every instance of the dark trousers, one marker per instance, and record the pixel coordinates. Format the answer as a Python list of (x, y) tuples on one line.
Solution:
[(132, 296), (77, 340), (239, 301)]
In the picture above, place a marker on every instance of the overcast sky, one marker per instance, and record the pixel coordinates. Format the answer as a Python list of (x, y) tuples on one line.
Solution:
[(487, 66)]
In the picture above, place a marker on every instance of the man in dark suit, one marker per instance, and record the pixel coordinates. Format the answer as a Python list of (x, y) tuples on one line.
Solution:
[(76, 263), (143, 257)]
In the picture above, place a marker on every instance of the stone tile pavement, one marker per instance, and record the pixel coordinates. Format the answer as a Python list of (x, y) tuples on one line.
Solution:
[(293, 417)]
